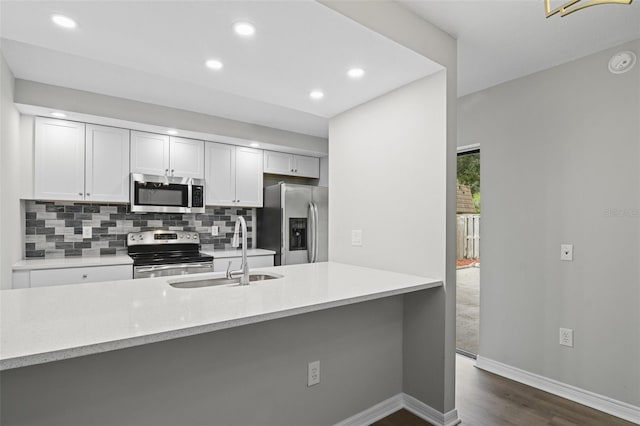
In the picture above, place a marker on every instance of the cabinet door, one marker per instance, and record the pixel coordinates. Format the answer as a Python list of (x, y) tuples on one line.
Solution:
[(249, 169), (278, 163), (107, 164), (220, 174), (149, 153), (59, 160), (306, 166), (186, 158)]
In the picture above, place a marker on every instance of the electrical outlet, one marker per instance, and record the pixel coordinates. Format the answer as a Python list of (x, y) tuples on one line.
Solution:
[(566, 252), (215, 230), (356, 237), (313, 373), (566, 337), (87, 232)]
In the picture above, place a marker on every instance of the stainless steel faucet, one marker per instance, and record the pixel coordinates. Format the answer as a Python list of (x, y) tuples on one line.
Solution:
[(241, 225)]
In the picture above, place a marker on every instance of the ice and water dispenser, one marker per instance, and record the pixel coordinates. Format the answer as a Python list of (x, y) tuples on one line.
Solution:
[(297, 233)]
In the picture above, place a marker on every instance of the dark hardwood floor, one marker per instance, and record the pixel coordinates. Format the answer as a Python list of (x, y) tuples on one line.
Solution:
[(485, 399)]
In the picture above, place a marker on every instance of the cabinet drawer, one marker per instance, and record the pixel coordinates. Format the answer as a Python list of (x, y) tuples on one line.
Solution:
[(220, 265), (49, 277)]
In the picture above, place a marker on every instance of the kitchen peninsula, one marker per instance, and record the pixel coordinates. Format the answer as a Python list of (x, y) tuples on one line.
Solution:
[(145, 337), (75, 320)]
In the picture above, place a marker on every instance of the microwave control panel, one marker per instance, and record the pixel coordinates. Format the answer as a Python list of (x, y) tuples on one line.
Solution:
[(197, 196)]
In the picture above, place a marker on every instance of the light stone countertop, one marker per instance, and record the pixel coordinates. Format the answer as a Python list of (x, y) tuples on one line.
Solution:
[(221, 254), (40, 325), (70, 262)]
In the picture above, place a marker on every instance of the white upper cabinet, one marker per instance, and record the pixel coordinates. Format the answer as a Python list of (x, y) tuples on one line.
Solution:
[(249, 175), (220, 169), (59, 160), (155, 154), (306, 166), (185, 157), (233, 175), (149, 153), (78, 162), (280, 163), (107, 164)]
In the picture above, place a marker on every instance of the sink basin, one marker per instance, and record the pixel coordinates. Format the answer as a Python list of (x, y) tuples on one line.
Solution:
[(209, 282)]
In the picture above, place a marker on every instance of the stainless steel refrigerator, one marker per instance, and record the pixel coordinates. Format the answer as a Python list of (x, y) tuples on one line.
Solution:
[(294, 223)]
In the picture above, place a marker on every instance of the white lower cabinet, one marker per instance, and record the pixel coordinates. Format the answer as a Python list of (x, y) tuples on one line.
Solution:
[(221, 264), (62, 276)]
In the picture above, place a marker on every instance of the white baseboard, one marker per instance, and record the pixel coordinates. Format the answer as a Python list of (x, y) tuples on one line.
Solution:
[(430, 414), (375, 413), (590, 399), (395, 403)]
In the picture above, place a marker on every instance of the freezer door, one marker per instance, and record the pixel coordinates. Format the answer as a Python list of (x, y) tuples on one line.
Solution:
[(296, 224), (320, 196)]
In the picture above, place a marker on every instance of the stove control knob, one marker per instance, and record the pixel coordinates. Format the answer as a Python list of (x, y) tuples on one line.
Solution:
[(131, 237), (188, 236), (195, 236), (140, 237)]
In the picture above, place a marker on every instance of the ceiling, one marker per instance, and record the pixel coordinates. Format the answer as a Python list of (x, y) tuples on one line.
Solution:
[(155, 52), (502, 40)]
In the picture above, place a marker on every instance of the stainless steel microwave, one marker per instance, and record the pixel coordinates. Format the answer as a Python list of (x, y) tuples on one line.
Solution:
[(166, 194)]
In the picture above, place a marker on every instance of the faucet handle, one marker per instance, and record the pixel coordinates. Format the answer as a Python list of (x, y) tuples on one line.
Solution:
[(229, 270)]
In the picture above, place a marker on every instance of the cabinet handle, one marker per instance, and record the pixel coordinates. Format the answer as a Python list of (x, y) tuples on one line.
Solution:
[(88, 194), (171, 172), (296, 170), (79, 193), (166, 172), (84, 276)]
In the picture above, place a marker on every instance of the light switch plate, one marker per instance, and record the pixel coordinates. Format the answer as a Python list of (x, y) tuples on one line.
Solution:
[(87, 232), (214, 231), (566, 252), (356, 237)]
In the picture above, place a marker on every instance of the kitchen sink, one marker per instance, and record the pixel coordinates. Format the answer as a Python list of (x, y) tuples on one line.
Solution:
[(209, 282)]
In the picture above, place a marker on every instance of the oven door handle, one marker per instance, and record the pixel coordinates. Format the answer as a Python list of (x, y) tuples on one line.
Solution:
[(176, 266)]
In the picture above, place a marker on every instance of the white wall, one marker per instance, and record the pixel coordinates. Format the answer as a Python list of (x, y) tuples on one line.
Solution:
[(560, 155), (388, 163), (388, 160), (79, 101), (406, 28), (10, 216)]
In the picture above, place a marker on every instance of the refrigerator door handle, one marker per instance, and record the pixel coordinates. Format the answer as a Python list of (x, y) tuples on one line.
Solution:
[(310, 233), (312, 253)]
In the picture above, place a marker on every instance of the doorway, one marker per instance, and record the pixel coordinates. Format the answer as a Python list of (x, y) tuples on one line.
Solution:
[(468, 207)]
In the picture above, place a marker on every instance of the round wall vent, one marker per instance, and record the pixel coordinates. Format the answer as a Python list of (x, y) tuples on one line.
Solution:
[(622, 62)]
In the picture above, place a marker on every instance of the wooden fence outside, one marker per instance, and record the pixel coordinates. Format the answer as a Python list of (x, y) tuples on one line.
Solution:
[(468, 236)]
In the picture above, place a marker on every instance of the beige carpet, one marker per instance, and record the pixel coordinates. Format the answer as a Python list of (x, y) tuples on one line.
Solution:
[(468, 308)]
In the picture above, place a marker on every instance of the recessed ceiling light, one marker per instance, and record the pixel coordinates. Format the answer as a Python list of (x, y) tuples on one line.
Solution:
[(254, 144), (172, 132), (316, 94), (214, 64), (58, 114), (355, 72), (244, 29), (63, 21)]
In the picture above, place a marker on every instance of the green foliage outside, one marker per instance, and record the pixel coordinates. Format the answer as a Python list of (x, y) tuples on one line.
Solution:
[(469, 174)]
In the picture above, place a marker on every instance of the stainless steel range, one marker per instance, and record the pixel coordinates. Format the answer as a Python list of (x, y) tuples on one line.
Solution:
[(164, 253)]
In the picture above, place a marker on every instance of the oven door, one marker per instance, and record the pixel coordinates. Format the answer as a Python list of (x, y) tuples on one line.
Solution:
[(160, 194), (172, 269)]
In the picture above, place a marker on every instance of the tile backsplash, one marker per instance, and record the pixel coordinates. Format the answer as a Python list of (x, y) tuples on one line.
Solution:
[(54, 229)]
